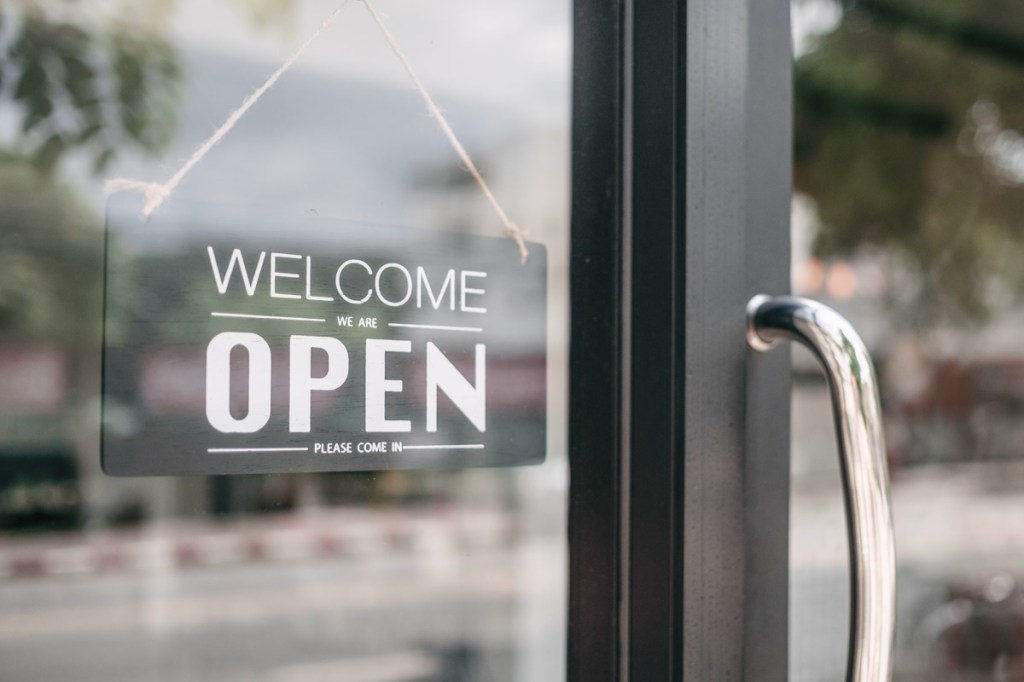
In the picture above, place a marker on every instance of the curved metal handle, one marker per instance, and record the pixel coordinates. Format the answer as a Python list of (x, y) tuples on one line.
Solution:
[(858, 418)]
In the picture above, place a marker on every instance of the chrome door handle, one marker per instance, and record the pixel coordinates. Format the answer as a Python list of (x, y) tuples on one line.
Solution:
[(858, 419)]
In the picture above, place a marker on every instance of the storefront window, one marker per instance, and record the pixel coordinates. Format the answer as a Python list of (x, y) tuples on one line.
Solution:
[(402, 575)]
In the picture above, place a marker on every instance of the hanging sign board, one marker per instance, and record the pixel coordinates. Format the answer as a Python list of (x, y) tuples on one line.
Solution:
[(243, 342)]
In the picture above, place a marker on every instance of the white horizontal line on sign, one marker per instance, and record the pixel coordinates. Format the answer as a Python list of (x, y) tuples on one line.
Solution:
[(213, 450), (443, 447), (475, 330), (270, 317)]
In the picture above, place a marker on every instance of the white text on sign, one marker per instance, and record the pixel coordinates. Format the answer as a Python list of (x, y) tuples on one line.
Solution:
[(441, 375), (354, 281)]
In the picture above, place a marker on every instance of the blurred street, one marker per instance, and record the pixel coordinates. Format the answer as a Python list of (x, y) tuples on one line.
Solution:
[(424, 608), (952, 535)]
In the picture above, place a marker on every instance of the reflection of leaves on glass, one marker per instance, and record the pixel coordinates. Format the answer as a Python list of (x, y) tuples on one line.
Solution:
[(101, 91), (156, 14), (264, 13), (889, 106), (50, 259), (98, 84)]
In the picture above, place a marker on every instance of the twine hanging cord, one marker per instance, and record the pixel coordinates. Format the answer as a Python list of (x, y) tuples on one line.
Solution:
[(157, 193)]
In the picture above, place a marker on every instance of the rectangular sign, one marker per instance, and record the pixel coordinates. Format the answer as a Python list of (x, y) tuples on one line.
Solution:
[(247, 342)]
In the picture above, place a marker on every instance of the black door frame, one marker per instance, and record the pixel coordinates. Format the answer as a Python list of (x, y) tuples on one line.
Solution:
[(679, 503)]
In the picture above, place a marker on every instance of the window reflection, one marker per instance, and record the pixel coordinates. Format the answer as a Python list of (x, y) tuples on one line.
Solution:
[(907, 219), (399, 575)]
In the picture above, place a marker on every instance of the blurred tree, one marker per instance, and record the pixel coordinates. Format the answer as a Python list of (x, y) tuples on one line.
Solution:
[(103, 90), (49, 265), (156, 14), (905, 115), (104, 83)]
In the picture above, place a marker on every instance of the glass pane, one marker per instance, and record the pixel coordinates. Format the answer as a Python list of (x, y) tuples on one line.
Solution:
[(394, 576), (909, 175)]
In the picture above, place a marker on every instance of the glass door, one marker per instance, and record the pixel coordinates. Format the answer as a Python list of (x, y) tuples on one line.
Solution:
[(686, 544), (699, 550), (906, 218), (437, 573)]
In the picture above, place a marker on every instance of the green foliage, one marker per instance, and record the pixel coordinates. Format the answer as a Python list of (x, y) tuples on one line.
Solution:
[(102, 91), (892, 112), (77, 81), (103, 83), (50, 259), (266, 13)]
